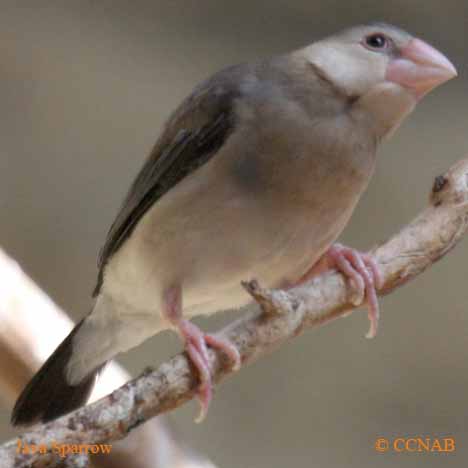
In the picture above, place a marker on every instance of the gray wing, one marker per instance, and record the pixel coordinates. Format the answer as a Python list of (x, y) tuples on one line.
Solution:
[(191, 137)]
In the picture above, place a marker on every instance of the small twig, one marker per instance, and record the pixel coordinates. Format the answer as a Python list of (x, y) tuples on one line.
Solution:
[(418, 245)]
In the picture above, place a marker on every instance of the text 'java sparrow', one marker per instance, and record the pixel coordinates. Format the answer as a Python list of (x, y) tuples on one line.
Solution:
[(255, 175)]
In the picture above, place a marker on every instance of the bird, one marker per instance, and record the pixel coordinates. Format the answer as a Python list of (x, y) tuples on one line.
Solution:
[(254, 175)]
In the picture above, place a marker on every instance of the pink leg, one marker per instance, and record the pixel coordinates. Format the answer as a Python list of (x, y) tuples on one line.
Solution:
[(195, 345), (361, 269)]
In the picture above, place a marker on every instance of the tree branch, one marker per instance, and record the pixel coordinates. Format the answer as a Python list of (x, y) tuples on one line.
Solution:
[(418, 245), (25, 309)]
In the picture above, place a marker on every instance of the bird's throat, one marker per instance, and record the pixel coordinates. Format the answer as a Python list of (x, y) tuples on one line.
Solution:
[(384, 107)]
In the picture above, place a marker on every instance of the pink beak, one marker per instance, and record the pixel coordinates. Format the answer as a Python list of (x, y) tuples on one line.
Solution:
[(420, 68)]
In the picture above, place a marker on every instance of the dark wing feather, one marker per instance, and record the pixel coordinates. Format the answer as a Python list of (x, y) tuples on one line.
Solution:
[(192, 136)]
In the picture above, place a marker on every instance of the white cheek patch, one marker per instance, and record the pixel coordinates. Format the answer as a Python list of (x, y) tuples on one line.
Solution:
[(350, 67)]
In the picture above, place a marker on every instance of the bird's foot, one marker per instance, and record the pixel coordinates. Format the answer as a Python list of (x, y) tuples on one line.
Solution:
[(365, 276), (363, 272), (196, 346)]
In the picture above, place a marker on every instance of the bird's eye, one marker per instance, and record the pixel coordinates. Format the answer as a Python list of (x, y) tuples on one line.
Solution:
[(376, 41)]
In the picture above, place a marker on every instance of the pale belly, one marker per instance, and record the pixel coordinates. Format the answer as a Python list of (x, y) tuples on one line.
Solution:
[(208, 243)]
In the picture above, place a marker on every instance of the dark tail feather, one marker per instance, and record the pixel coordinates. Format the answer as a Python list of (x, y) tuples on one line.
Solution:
[(48, 395)]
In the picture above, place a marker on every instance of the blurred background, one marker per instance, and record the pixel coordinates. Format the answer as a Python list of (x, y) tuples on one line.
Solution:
[(85, 88)]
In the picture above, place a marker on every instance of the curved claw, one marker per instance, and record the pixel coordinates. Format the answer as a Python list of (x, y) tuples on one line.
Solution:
[(196, 346), (227, 348), (204, 392), (365, 274)]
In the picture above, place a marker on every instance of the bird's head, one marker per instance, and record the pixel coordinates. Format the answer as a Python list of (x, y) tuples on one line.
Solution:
[(382, 68)]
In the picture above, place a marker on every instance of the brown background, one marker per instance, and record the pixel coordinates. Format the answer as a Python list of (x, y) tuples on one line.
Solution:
[(85, 87)]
